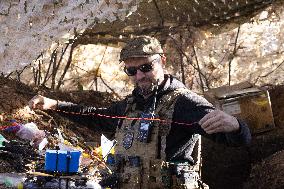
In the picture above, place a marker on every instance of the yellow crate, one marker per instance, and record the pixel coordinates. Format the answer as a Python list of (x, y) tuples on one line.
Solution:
[(245, 102)]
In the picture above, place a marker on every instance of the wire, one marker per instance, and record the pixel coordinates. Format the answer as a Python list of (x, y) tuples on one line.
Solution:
[(165, 121), (129, 118)]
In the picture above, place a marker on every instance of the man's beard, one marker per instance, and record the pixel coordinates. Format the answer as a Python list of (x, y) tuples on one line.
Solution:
[(146, 89)]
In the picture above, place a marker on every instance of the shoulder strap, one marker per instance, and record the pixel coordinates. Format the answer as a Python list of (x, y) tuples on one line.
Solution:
[(165, 110), (129, 104)]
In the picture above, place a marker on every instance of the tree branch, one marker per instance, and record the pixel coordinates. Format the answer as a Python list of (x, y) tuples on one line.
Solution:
[(233, 54), (97, 70), (199, 70), (66, 68), (181, 62), (110, 88), (187, 58), (267, 74)]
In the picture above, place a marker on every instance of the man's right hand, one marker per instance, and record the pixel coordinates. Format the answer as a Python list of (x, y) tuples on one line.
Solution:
[(42, 103)]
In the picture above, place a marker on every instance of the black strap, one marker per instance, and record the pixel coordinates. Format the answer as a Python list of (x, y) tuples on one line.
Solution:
[(68, 159), (56, 167)]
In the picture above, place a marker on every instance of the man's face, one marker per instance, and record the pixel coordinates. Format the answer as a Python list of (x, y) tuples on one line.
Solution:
[(147, 72)]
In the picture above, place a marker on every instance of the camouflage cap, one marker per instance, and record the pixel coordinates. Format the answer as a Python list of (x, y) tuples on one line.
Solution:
[(142, 46)]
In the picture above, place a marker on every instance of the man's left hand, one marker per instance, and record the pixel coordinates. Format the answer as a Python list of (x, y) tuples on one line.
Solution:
[(219, 121)]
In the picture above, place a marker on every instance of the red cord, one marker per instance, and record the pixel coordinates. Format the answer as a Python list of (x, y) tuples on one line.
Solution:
[(129, 118), (119, 117)]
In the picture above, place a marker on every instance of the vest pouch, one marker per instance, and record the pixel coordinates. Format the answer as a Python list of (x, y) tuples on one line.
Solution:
[(115, 162), (110, 160), (110, 181), (145, 127), (160, 176), (132, 175), (134, 161), (184, 175)]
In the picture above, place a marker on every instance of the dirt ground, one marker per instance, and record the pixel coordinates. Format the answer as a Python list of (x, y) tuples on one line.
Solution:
[(249, 167), (268, 174), (244, 167), (257, 166), (14, 97)]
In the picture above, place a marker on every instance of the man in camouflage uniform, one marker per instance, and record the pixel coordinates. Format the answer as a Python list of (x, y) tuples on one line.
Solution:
[(154, 151)]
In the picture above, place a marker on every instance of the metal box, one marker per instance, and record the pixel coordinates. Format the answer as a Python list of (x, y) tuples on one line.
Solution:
[(246, 102)]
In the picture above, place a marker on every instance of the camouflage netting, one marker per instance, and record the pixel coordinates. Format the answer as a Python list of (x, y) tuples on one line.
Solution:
[(31, 27), (37, 26), (175, 16), (254, 52)]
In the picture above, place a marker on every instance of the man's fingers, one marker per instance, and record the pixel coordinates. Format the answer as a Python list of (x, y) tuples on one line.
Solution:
[(39, 106), (204, 119), (214, 122), (208, 120), (208, 116), (217, 127), (31, 104), (36, 102), (216, 130), (42, 103), (218, 121), (212, 126)]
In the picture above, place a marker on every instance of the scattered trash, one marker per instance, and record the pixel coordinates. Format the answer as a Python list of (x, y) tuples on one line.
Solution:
[(2, 140), (42, 144), (13, 126), (31, 132), (12, 180), (107, 146), (60, 137), (17, 154), (28, 134), (57, 182), (67, 146)]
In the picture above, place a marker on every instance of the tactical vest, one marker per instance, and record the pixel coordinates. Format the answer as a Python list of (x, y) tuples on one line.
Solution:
[(142, 165)]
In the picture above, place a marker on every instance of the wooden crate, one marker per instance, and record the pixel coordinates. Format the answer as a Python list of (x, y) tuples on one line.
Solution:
[(245, 102)]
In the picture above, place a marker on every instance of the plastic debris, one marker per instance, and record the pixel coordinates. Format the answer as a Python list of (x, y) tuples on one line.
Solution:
[(107, 146), (42, 144), (12, 180), (60, 137), (15, 127), (2, 139), (31, 132)]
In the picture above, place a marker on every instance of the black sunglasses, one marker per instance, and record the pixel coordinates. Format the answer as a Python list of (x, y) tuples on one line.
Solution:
[(131, 71)]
